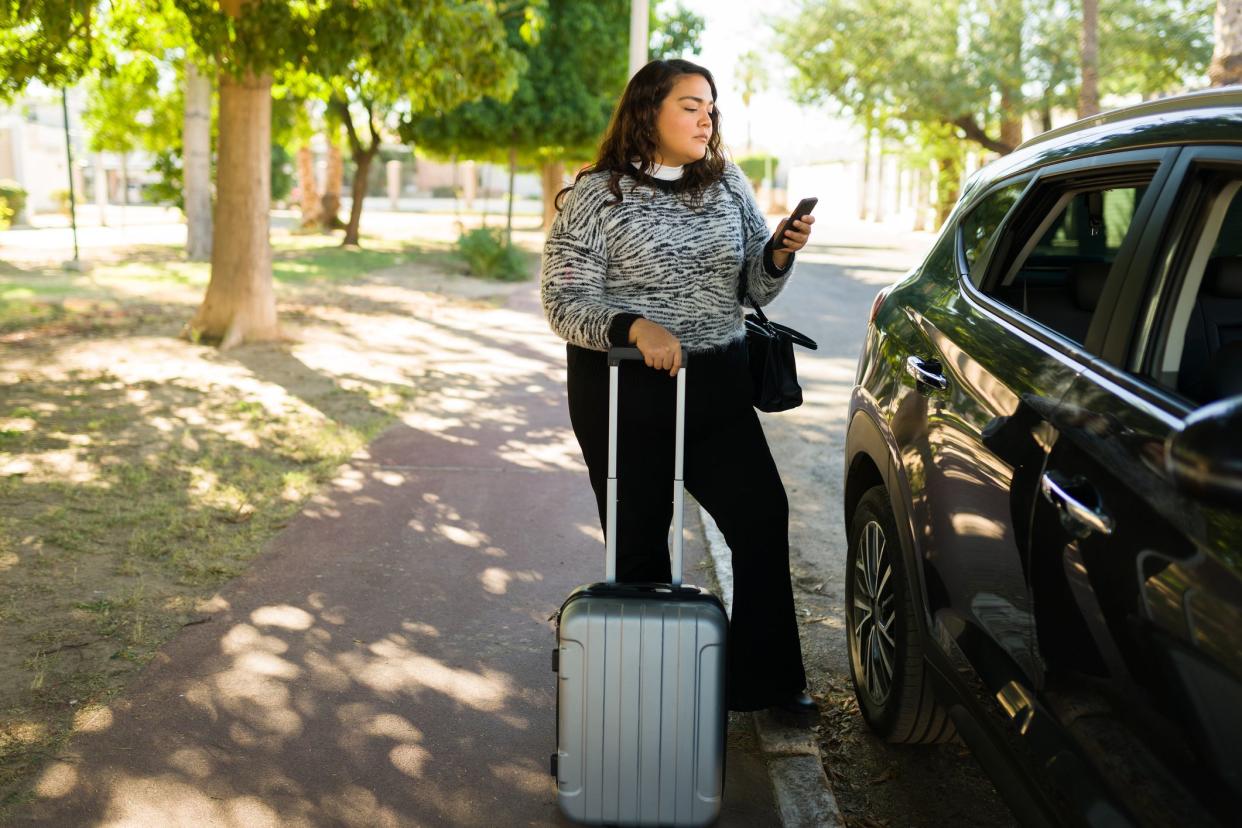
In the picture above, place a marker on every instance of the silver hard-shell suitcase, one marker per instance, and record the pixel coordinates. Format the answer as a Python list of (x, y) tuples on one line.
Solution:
[(640, 681)]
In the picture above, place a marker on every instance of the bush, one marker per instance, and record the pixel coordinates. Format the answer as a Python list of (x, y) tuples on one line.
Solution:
[(444, 191), (61, 198), (12, 201), (753, 167), (488, 256)]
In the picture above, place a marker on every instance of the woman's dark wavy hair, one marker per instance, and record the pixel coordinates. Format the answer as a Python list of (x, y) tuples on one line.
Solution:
[(631, 133)]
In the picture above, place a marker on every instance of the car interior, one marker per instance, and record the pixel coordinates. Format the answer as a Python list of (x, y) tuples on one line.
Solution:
[(1209, 363), (1059, 281)]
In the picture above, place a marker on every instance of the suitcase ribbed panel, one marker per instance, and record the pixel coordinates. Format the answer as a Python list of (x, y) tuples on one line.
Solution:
[(641, 710)]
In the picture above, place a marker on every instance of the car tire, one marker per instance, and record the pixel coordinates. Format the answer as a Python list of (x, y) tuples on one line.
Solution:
[(885, 651)]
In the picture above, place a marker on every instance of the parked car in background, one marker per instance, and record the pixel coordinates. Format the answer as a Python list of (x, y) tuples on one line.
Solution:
[(1044, 475)]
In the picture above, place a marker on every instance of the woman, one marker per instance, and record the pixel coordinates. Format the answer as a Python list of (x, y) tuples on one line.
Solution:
[(652, 247)]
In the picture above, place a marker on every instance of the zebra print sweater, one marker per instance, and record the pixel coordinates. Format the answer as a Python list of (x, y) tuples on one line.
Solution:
[(655, 256)]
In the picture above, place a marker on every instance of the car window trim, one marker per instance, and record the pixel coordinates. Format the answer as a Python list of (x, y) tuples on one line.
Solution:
[(1166, 405), (964, 267)]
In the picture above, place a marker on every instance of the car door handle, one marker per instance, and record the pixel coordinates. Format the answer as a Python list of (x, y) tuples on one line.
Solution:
[(1075, 515), (927, 372)]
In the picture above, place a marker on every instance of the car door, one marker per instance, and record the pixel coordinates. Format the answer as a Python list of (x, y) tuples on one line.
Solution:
[(995, 358), (1138, 577)]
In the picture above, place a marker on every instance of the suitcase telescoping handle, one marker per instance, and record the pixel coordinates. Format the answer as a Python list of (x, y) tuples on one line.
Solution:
[(615, 357)]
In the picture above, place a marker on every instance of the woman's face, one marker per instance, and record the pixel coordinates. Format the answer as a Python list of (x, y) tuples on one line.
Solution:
[(684, 124)]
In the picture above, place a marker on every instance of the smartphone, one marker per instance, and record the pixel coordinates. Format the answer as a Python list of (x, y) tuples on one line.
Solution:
[(804, 208)]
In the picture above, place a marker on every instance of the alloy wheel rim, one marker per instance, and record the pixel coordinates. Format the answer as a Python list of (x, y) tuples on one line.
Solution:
[(875, 613)]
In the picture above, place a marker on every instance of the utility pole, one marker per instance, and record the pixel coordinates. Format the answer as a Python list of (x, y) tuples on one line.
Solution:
[(638, 35), (76, 264)]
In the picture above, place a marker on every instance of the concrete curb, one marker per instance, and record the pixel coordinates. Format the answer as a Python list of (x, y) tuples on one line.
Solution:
[(803, 795)]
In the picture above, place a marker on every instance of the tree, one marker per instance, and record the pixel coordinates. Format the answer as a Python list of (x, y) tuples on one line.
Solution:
[(196, 162), (1089, 96), (385, 57), (752, 77), (121, 43), (125, 110), (51, 41), (575, 72), (674, 33), (251, 40), (978, 67), (1226, 65), (247, 39), (966, 63)]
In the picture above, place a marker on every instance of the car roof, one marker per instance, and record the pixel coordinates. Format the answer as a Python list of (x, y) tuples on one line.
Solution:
[(1208, 116)]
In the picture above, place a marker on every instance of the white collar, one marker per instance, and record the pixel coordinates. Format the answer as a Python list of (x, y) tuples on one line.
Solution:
[(662, 172)]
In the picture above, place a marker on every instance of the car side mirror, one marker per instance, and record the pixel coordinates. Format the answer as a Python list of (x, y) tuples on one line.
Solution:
[(1205, 457)]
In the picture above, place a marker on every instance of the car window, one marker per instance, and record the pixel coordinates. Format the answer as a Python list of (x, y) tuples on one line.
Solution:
[(1062, 256), (1202, 350), (1092, 225), (980, 226)]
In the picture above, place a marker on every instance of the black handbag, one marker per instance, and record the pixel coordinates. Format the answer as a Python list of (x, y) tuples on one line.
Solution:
[(773, 374)]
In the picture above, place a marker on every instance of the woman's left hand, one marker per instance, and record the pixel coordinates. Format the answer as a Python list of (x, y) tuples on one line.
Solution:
[(794, 240)]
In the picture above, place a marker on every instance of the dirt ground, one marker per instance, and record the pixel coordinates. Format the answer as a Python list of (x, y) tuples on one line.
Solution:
[(139, 471)]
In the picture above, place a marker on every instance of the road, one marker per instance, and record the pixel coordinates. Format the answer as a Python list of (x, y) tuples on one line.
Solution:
[(828, 299)]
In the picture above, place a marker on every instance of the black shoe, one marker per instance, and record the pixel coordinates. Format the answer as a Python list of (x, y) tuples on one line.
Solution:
[(799, 710)]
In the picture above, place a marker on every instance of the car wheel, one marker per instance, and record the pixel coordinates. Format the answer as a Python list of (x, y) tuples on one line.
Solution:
[(886, 655)]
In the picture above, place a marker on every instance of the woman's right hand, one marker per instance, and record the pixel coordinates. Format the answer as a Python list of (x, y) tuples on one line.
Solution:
[(660, 349)]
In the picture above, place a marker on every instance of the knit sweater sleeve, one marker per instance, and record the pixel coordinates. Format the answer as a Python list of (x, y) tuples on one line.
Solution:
[(575, 270), (763, 279)]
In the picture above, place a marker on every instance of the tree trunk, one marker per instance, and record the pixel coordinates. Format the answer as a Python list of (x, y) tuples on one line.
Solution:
[(196, 164), (240, 305), (922, 199), (124, 180), (1011, 133), (866, 182), (553, 178), (332, 182), (1226, 65), (311, 207), (362, 169), (948, 187), (1089, 93), (487, 191), (1011, 127), (512, 188), (877, 214), (363, 155)]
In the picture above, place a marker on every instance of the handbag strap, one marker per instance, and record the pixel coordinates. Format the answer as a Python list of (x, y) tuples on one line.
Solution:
[(755, 307), (796, 337)]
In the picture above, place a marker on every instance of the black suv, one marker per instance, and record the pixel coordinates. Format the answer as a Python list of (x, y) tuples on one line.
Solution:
[(1044, 475)]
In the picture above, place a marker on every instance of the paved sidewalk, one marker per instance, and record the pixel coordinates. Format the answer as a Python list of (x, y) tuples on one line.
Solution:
[(387, 661)]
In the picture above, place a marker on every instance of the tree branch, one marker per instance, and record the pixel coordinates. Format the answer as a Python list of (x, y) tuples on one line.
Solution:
[(975, 133), (341, 107), (375, 132)]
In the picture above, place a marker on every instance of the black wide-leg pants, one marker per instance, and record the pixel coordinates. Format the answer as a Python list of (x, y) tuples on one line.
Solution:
[(729, 471)]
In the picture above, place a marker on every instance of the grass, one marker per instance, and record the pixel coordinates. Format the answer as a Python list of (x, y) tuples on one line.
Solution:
[(34, 296), (125, 504)]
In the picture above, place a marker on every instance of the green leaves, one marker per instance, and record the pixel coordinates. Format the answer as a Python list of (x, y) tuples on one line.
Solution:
[(560, 106), (981, 64), (48, 40)]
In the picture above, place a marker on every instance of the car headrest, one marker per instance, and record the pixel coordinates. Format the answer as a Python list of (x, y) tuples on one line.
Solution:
[(1225, 371), (1224, 277), (1089, 278)]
